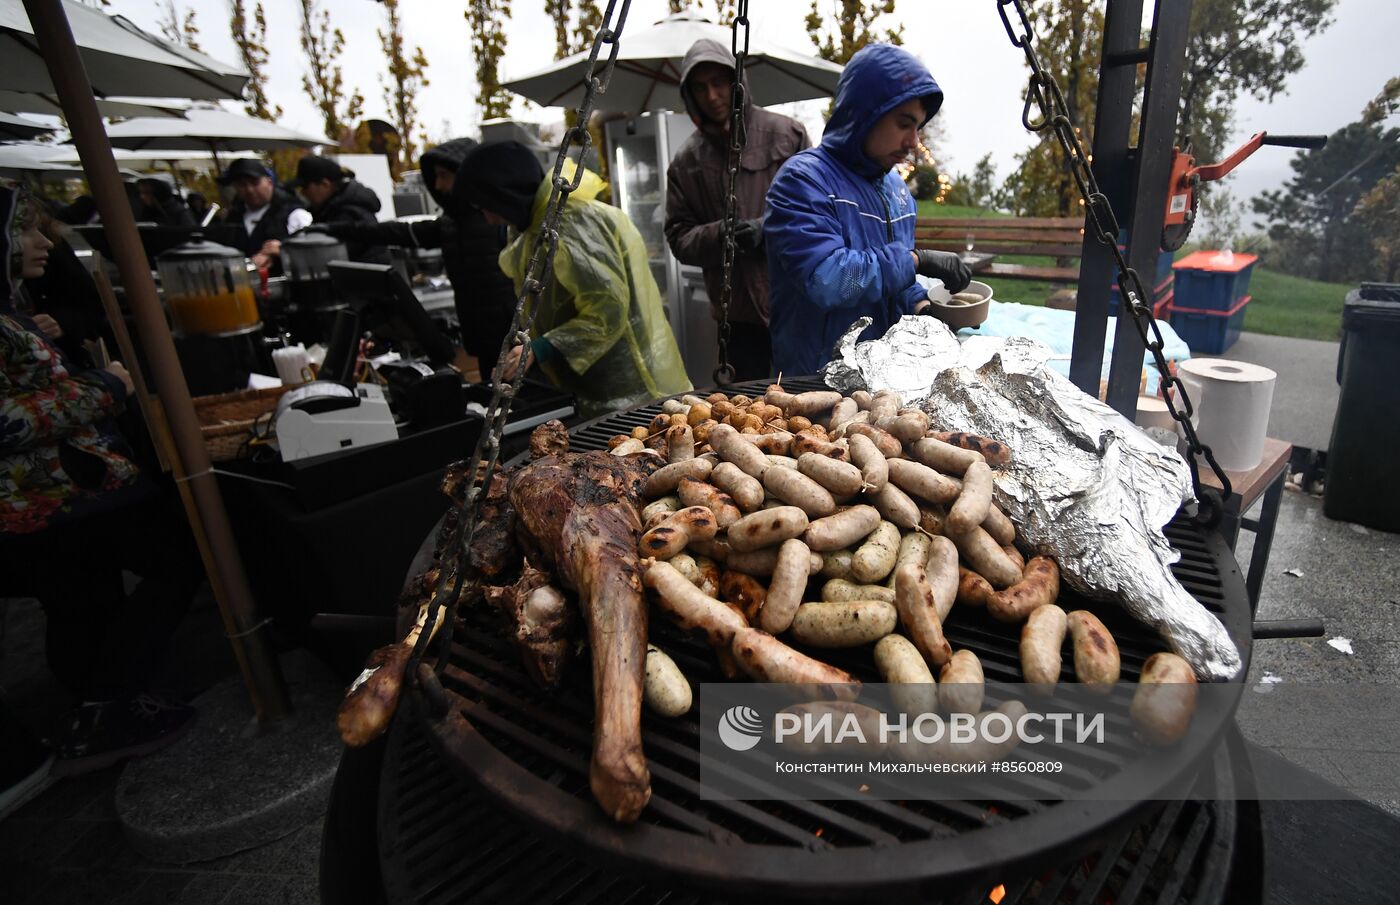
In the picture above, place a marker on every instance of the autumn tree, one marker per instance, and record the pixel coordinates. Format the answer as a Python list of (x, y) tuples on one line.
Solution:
[(588, 18), (854, 27), (251, 39), (179, 28), (406, 75), (486, 21), (1068, 43), (1313, 221), (1237, 48), (324, 82)]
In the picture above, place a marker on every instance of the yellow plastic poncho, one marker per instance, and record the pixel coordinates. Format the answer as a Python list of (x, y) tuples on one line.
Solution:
[(601, 310)]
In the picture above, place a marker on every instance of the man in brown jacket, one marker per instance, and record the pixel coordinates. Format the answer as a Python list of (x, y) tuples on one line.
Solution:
[(697, 188)]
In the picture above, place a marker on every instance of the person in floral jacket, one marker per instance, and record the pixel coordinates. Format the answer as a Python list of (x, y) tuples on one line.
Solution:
[(75, 511)]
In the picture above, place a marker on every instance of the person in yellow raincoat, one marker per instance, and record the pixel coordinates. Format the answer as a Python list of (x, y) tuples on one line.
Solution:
[(600, 332)]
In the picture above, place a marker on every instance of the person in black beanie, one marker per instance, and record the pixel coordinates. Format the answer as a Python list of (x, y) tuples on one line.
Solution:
[(600, 331)]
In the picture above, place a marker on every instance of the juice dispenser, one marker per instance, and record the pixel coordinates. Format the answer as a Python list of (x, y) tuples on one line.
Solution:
[(207, 290), (214, 315)]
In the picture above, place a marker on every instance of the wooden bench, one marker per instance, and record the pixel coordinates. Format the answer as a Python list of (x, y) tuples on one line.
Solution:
[(1009, 237)]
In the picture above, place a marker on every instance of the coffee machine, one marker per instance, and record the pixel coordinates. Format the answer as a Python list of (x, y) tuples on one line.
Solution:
[(311, 302), (214, 314)]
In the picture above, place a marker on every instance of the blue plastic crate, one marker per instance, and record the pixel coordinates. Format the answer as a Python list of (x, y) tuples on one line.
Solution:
[(1205, 283), (1164, 261), (1208, 332), (1161, 291)]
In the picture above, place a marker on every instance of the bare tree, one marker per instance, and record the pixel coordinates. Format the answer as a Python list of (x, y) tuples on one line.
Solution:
[(486, 20), (855, 22), (179, 26), (251, 40), (324, 82), (406, 75)]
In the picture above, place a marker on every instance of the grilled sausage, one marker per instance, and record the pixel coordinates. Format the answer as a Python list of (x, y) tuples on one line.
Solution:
[(1041, 639), (1165, 699), (767, 528), (1038, 587), (1096, 659)]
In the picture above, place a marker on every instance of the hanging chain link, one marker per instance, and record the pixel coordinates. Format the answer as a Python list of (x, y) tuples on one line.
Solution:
[(1044, 93), (481, 467), (738, 139)]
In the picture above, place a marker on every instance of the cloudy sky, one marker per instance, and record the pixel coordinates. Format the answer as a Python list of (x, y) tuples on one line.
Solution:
[(961, 41)]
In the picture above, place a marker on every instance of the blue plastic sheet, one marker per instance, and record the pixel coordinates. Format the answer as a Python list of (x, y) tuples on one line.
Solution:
[(1055, 328)]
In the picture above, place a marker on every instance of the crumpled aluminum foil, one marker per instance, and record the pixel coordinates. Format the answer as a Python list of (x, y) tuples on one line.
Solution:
[(1086, 486)]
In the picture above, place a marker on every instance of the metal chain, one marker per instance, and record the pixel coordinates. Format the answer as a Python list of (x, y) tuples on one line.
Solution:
[(1044, 93), (481, 467), (738, 139)]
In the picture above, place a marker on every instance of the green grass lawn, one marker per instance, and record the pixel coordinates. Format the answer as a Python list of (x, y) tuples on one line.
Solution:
[(1282, 305)]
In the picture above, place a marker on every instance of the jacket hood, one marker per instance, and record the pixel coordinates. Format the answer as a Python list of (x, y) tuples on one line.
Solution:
[(501, 177), (707, 50), (162, 190), (590, 186), (353, 194), (16, 206), (449, 154), (878, 78)]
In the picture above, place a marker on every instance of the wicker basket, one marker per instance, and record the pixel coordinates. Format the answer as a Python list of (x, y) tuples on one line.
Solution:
[(226, 420)]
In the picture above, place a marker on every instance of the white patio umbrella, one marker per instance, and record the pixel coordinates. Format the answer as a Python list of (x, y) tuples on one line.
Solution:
[(139, 160), (209, 129), (25, 158), (120, 59), (13, 128), (647, 74), (47, 104)]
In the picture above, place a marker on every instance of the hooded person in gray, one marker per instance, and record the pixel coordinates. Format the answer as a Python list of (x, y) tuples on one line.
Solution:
[(697, 188)]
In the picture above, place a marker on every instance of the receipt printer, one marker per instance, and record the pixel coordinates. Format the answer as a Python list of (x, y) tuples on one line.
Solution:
[(324, 417)]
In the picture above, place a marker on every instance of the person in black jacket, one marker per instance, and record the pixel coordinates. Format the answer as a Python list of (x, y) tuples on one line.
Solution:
[(470, 247), (263, 215), (162, 206), (335, 197)]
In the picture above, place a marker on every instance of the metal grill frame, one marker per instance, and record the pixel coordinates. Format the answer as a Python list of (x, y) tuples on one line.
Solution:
[(960, 842)]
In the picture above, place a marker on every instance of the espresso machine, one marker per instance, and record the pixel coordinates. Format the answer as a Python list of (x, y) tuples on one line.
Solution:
[(311, 304), (214, 315)]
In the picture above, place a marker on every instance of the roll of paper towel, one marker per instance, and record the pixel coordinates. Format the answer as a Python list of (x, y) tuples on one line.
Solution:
[(1231, 401), (291, 363)]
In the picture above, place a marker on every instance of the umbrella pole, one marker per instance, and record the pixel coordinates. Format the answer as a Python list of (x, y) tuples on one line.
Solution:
[(247, 633)]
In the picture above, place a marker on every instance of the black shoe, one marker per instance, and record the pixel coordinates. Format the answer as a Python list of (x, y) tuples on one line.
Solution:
[(101, 734)]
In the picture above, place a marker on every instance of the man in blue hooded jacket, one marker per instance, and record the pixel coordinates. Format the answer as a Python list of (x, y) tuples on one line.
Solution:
[(840, 227)]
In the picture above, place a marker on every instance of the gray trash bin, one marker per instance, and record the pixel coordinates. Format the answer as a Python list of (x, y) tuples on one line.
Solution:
[(1361, 481)]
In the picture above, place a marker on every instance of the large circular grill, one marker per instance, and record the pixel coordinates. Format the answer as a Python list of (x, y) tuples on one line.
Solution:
[(529, 750)]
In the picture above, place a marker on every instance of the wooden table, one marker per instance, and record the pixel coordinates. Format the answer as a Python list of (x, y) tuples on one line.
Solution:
[(1266, 480)]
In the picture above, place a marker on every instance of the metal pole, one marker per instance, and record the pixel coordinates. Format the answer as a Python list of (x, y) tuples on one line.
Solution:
[(250, 644), (1112, 121), (1162, 95)]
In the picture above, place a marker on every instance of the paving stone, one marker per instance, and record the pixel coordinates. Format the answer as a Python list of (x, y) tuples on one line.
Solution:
[(207, 889), (274, 891)]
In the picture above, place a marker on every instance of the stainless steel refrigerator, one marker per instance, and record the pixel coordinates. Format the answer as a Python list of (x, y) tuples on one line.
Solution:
[(640, 150)]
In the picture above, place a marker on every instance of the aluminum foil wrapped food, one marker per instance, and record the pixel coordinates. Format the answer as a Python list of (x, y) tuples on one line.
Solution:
[(1085, 486)]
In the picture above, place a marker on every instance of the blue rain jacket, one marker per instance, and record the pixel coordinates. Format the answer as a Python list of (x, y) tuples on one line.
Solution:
[(840, 227)]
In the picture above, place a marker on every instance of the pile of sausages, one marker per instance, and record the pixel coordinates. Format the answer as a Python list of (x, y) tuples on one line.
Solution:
[(845, 521)]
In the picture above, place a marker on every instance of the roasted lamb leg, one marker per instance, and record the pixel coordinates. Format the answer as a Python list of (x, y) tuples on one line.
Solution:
[(577, 514)]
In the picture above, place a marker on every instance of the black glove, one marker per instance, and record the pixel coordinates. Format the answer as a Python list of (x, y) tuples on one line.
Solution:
[(946, 266), (748, 234)]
